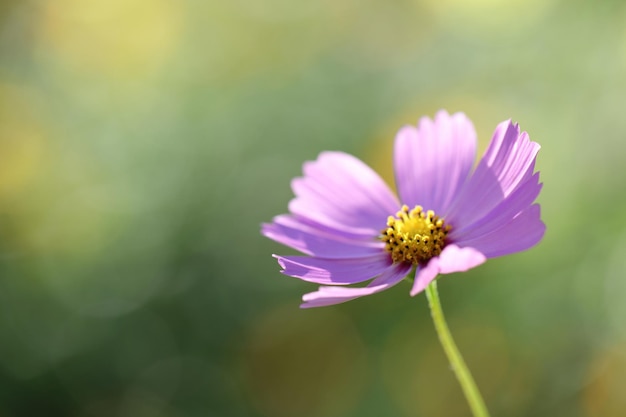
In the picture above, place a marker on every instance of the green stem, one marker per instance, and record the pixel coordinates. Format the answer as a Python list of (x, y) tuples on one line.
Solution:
[(476, 403)]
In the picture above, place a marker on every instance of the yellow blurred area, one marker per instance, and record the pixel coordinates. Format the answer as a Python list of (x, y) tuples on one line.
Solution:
[(22, 139), (604, 394), (116, 38), (304, 363)]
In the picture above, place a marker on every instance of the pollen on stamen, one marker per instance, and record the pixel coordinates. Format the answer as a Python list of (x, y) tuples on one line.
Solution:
[(414, 236)]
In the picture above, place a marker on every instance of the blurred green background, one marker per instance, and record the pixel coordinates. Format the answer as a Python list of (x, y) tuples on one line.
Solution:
[(142, 143)]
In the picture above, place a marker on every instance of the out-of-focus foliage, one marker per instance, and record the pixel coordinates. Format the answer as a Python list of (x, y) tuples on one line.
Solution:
[(142, 143)]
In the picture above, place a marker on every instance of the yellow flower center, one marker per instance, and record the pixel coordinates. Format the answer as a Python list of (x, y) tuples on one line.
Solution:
[(414, 236)]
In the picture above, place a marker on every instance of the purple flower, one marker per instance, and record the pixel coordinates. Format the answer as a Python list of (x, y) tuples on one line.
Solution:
[(447, 218)]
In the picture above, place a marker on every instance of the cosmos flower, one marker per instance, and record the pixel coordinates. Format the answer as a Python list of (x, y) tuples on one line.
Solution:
[(446, 218)]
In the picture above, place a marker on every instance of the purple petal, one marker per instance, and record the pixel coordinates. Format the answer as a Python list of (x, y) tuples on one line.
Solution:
[(424, 276), (334, 271), (326, 296), (452, 259), (434, 160), (511, 155), (456, 259), (317, 241), (338, 229), (519, 200), (508, 162), (340, 191), (521, 233)]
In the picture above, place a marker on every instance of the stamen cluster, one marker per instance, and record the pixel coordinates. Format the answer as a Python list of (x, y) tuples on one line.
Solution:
[(414, 236)]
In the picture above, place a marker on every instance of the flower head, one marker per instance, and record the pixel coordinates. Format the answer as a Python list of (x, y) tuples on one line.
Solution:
[(446, 218)]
